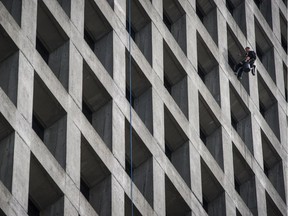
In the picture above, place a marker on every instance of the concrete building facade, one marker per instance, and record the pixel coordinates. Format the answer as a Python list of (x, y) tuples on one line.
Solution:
[(204, 142)]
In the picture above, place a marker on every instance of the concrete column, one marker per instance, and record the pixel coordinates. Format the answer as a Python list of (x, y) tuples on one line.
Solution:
[(21, 166), (25, 88), (261, 198), (102, 122), (228, 156), (118, 198), (195, 169), (77, 14), (119, 58), (158, 119), (73, 150), (276, 19), (159, 189), (69, 209), (279, 73), (283, 127), (28, 19), (193, 105), (257, 142), (118, 135), (9, 76), (192, 39), (75, 74), (230, 206), (157, 51), (158, 5), (66, 6), (222, 38), (120, 10)]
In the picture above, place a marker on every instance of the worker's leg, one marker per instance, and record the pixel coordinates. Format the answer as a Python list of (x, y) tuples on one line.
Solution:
[(239, 74)]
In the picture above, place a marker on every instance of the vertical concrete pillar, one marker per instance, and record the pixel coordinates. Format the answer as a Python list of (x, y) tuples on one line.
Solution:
[(118, 135), (222, 38), (120, 10), (157, 51), (21, 166), (25, 88), (276, 19), (283, 126), (193, 105), (73, 150), (118, 198), (261, 198), (69, 209), (75, 75), (257, 142), (77, 14), (192, 39), (158, 119), (159, 189), (195, 169), (230, 206), (158, 5), (119, 59), (28, 19), (279, 73)]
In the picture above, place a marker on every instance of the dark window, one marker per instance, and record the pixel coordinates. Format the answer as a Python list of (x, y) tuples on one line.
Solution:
[(87, 111), (42, 50), (266, 169), (133, 32), (259, 53), (128, 167), (200, 13), (168, 152), (205, 204), (201, 72), (167, 22), (38, 127), (128, 97), (262, 109), (284, 43), (258, 3), (203, 136), (89, 40), (234, 122), (167, 85), (237, 185), (32, 209), (230, 6), (84, 189)]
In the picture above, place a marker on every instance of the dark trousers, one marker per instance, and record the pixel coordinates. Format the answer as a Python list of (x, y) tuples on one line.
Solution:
[(239, 69)]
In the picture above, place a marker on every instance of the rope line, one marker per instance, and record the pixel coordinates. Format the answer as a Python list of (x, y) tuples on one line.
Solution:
[(130, 110)]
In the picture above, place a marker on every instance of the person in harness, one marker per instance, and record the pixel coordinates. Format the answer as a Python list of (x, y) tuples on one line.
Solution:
[(246, 64)]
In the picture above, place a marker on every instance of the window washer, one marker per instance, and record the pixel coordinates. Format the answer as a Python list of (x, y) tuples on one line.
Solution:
[(247, 64)]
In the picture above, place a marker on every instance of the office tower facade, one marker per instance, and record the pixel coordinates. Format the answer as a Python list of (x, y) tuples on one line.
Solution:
[(204, 142)]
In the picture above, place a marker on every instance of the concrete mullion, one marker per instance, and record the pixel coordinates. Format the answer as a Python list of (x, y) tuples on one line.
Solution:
[(119, 59), (21, 167), (118, 134), (118, 198), (261, 198), (230, 206), (193, 105), (73, 151), (120, 10), (158, 5), (228, 156), (191, 40), (158, 119), (283, 128), (159, 188), (257, 142), (279, 72), (222, 37), (28, 20), (157, 52), (25, 88), (69, 209), (195, 169), (77, 14), (276, 20), (75, 75)]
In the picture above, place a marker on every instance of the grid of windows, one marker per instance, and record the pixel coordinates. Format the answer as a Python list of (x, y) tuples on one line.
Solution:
[(204, 142)]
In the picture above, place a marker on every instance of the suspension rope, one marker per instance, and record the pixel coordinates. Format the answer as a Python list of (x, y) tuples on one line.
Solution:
[(130, 110)]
